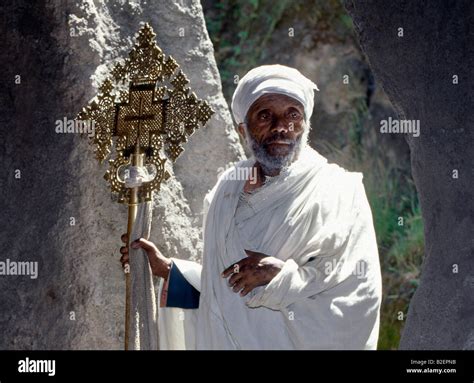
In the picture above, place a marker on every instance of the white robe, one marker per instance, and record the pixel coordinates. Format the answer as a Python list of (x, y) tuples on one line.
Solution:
[(314, 216)]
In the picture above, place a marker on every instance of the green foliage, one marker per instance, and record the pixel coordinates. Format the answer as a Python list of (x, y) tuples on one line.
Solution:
[(392, 195), (358, 119), (401, 270), (401, 248), (241, 29), (346, 21)]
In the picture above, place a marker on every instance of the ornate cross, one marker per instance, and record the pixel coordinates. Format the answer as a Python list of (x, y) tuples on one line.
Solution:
[(141, 116), (148, 118), (150, 122)]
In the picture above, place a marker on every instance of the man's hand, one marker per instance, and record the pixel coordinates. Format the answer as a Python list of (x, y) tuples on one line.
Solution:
[(160, 265), (256, 270)]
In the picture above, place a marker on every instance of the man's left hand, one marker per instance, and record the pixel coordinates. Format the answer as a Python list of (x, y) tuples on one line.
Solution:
[(256, 270)]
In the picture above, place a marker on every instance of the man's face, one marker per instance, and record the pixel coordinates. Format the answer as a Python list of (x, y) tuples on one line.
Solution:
[(274, 130)]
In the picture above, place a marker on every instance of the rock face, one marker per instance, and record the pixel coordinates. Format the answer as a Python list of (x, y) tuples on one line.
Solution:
[(56, 207), (420, 52)]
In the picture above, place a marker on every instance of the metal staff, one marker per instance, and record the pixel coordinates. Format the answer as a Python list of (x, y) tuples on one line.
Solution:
[(150, 121)]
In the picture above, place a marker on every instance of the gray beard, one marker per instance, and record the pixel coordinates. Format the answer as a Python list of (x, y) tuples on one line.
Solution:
[(271, 164)]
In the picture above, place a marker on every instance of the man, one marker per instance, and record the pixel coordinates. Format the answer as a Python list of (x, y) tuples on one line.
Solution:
[(290, 261)]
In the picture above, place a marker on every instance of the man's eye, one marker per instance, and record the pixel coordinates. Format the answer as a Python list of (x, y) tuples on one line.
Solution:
[(294, 115), (264, 116)]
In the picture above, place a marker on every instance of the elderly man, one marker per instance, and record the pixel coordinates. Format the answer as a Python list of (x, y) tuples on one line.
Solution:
[(290, 261)]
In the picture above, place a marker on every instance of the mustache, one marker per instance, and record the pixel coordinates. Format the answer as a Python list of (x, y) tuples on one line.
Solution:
[(278, 137)]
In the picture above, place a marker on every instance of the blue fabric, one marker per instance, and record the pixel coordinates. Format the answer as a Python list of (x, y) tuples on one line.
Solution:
[(180, 292)]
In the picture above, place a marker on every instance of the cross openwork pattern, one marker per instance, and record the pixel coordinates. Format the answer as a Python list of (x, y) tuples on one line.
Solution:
[(135, 106)]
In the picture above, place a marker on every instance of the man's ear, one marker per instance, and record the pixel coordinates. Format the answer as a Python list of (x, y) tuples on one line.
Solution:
[(241, 129)]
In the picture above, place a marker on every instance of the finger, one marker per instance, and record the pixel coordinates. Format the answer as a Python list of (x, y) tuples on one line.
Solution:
[(144, 244), (235, 268), (124, 250), (124, 259), (228, 271), (232, 269), (246, 290), (235, 278), (239, 285), (251, 253), (124, 238)]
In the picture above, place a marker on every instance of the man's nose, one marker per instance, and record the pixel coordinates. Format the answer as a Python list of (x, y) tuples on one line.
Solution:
[(279, 126)]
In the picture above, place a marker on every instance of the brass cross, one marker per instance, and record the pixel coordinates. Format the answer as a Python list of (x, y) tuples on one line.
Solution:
[(147, 118), (140, 117), (150, 122)]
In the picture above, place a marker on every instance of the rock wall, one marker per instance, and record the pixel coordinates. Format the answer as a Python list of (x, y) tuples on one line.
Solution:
[(425, 68), (56, 207)]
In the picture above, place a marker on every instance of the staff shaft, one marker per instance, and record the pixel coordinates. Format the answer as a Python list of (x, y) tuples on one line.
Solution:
[(136, 160)]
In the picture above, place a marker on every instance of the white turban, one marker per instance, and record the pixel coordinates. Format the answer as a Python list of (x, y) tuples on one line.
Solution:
[(272, 79)]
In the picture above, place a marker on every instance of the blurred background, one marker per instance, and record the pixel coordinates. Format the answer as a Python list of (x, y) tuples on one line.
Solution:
[(318, 38)]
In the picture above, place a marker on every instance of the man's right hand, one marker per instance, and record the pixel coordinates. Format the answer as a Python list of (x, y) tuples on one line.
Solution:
[(160, 265)]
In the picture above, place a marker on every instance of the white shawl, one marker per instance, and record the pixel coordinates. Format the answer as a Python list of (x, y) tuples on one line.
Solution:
[(314, 216)]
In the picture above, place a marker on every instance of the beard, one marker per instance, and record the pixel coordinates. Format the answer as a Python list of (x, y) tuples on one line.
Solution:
[(280, 158)]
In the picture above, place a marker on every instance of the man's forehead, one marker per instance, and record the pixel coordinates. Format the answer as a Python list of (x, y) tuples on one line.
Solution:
[(275, 99)]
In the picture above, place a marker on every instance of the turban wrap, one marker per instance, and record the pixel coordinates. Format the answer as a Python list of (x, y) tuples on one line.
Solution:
[(267, 79)]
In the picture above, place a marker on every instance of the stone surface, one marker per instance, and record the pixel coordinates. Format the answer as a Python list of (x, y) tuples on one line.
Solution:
[(62, 50), (417, 71)]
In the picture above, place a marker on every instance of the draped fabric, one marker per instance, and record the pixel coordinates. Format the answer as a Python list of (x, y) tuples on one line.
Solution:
[(315, 217), (143, 305)]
